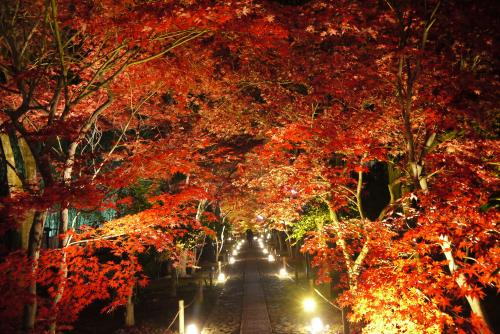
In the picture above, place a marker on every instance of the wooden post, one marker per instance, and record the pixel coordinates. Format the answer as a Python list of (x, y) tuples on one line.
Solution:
[(181, 316)]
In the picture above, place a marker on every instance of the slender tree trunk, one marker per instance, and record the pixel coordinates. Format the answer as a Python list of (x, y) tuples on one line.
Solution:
[(474, 303), (181, 268), (35, 241), (63, 273), (15, 183), (278, 234), (30, 175), (63, 242), (129, 311)]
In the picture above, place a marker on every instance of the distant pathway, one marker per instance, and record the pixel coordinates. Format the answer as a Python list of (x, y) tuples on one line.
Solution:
[(255, 301), (254, 318)]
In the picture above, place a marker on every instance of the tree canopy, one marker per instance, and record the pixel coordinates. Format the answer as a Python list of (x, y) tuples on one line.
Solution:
[(366, 131)]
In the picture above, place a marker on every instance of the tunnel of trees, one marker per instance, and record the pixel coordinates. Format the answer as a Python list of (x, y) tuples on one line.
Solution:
[(363, 134)]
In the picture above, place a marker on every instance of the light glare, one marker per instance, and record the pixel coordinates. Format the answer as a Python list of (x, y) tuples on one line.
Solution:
[(221, 278), (317, 325), (270, 258), (232, 260), (309, 305), (283, 273), (192, 329)]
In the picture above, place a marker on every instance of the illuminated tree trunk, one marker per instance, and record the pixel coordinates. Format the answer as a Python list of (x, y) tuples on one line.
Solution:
[(129, 311), (35, 241), (181, 268), (30, 175), (16, 184)]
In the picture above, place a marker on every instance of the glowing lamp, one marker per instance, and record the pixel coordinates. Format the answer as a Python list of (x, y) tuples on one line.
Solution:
[(232, 260), (270, 258), (235, 252), (309, 305), (192, 329), (283, 273), (265, 251), (221, 278), (254, 238), (317, 326)]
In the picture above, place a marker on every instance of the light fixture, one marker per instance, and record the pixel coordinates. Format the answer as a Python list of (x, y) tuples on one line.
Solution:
[(317, 325), (221, 278), (270, 258), (265, 251), (232, 260), (283, 273), (309, 304), (192, 329), (255, 238), (235, 252)]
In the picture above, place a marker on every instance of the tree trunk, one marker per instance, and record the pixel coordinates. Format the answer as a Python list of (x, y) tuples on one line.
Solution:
[(129, 311), (63, 273), (474, 303), (30, 175), (15, 183), (278, 235), (35, 241), (181, 268)]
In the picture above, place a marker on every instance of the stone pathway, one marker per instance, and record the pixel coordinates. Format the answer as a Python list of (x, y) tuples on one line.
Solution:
[(226, 315), (254, 319), (256, 301)]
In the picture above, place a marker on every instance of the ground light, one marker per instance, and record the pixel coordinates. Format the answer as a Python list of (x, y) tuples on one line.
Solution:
[(283, 273), (270, 258), (317, 326), (265, 251), (192, 329), (232, 260), (221, 278), (309, 305), (235, 252)]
